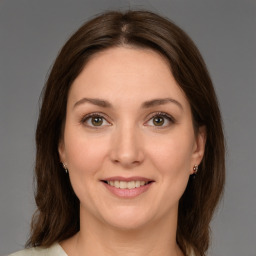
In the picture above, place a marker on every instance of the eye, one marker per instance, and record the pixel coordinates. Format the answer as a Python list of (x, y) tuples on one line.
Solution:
[(160, 120), (95, 120)]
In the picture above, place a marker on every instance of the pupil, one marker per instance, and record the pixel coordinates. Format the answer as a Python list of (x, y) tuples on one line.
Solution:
[(158, 121), (97, 121)]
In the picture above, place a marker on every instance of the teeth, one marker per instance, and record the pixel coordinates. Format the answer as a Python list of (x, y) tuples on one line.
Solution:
[(131, 184), (142, 183), (125, 185), (116, 184), (137, 183)]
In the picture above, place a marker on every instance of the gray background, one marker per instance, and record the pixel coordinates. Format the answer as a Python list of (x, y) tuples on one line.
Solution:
[(31, 34)]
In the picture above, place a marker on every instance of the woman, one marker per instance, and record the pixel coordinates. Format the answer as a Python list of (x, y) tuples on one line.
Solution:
[(130, 147)]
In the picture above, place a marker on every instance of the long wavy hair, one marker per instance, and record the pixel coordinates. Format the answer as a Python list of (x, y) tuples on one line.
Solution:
[(57, 214)]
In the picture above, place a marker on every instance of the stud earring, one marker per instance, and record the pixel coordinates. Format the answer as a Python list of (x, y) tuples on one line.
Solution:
[(65, 167), (195, 169)]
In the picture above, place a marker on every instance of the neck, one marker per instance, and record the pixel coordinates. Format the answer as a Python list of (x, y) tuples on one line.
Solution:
[(97, 238)]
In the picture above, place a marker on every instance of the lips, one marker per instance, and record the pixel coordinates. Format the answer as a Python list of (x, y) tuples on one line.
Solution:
[(127, 187), (125, 184)]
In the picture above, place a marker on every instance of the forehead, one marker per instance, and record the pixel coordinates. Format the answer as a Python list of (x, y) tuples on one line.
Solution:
[(123, 73)]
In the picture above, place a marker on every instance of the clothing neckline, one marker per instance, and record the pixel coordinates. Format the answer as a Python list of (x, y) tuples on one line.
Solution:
[(59, 249)]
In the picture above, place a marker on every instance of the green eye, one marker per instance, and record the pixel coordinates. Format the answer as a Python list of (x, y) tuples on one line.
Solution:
[(97, 121), (158, 121)]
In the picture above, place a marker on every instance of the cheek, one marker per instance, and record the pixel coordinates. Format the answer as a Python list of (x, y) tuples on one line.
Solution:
[(172, 154), (85, 157), (84, 154), (172, 158)]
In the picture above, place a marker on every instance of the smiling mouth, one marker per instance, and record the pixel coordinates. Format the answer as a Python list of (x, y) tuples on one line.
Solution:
[(127, 184)]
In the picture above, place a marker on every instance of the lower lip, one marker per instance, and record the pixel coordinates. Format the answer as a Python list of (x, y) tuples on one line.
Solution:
[(128, 193)]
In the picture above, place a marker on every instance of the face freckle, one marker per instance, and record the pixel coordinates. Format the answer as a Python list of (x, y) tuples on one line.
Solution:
[(127, 117)]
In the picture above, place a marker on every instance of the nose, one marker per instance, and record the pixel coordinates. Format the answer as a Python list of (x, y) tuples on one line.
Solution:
[(127, 147)]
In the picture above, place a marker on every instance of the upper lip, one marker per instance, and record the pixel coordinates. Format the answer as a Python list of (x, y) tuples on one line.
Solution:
[(127, 179)]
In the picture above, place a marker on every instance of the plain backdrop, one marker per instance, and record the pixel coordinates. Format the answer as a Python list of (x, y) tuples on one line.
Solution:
[(31, 34)]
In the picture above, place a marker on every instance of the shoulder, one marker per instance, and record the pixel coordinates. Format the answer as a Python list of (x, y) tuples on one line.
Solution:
[(53, 250)]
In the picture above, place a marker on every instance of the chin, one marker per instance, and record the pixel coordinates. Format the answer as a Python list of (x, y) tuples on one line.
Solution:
[(128, 219)]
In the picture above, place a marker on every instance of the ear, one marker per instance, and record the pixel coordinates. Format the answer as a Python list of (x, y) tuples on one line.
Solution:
[(199, 147), (62, 151)]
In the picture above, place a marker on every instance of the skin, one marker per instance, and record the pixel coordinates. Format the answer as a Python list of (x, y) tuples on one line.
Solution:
[(129, 142)]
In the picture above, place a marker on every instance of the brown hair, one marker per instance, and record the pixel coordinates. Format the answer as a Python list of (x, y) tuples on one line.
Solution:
[(57, 215)]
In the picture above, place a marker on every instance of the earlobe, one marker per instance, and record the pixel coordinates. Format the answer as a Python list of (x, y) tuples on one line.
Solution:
[(200, 145), (61, 150)]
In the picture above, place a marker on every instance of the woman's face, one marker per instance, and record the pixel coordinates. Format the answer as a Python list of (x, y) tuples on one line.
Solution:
[(128, 123)]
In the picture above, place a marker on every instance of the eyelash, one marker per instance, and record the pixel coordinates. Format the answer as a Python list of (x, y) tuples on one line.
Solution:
[(164, 115), (91, 115)]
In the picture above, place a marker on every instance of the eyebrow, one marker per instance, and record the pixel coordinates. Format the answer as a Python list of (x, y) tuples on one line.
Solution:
[(146, 104), (157, 102), (97, 102)]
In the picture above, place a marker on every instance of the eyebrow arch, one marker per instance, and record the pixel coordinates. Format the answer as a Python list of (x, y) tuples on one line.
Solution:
[(157, 102), (97, 102), (146, 104)]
